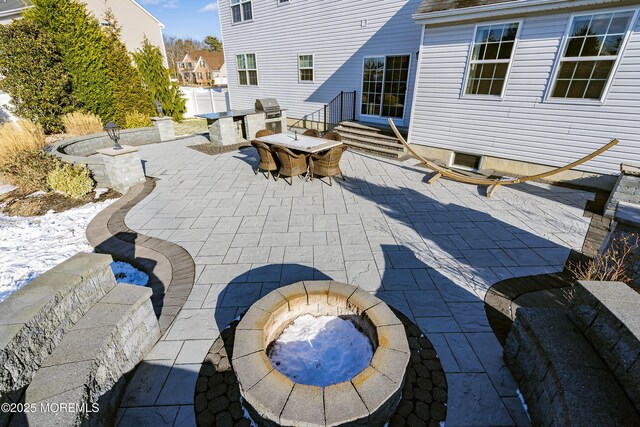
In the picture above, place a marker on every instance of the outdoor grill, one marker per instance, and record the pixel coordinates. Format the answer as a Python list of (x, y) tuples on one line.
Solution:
[(275, 117)]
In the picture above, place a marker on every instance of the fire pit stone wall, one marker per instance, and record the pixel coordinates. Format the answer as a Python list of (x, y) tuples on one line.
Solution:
[(370, 398)]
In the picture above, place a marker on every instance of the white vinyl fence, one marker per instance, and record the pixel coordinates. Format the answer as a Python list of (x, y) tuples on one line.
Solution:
[(5, 115), (203, 101)]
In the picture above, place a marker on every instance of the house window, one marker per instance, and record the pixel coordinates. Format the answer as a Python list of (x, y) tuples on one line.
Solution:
[(591, 49), (247, 69), (182, 65), (305, 67), (202, 63), (189, 65), (384, 85), (491, 55), (199, 76), (241, 10), (208, 76)]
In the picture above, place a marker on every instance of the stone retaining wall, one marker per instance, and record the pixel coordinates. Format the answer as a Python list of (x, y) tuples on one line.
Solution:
[(34, 319), (83, 150), (607, 314), (562, 379), (626, 189), (69, 336)]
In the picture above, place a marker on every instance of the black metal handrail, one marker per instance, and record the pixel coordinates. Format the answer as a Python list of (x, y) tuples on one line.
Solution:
[(339, 109)]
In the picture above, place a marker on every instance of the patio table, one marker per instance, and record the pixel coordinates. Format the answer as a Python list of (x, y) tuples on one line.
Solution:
[(306, 144)]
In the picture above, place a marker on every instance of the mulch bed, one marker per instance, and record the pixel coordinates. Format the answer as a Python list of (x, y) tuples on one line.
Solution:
[(215, 149), (18, 203), (424, 396)]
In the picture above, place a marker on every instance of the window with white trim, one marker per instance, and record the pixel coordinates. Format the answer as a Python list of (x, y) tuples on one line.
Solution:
[(491, 54), (241, 11), (247, 69), (305, 68), (591, 49)]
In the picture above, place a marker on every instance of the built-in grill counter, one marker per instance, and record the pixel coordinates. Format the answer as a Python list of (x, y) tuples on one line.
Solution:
[(235, 126), (238, 126)]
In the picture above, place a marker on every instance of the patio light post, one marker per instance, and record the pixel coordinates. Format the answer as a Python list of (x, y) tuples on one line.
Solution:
[(159, 109), (113, 130)]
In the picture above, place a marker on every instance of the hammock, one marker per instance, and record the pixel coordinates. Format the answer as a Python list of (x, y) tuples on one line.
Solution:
[(495, 183)]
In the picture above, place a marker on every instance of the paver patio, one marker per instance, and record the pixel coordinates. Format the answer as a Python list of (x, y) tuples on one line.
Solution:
[(430, 251)]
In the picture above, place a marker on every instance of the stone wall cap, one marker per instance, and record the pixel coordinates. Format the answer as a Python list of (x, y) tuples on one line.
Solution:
[(161, 119), (628, 214), (112, 152), (630, 169)]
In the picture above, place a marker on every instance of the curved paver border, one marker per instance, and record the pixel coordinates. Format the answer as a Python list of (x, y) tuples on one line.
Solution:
[(170, 268), (424, 393)]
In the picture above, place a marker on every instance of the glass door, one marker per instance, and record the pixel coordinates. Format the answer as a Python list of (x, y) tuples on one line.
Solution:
[(384, 85)]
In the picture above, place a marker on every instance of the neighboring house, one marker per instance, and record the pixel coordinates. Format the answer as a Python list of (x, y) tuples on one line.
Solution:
[(136, 22), (203, 68), (507, 85)]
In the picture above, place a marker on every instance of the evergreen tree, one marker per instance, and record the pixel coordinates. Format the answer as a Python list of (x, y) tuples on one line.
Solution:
[(129, 93), (82, 44), (33, 74), (155, 76), (213, 43)]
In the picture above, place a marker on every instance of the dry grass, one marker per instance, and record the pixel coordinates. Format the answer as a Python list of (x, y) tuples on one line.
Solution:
[(79, 123), (17, 138), (617, 264), (21, 204)]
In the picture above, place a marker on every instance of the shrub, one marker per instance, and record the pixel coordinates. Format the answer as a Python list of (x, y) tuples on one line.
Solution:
[(157, 80), (72, 181), (135, 119), (16, 138), (28, 170), (34, 74), (80, 123), (618, 263)]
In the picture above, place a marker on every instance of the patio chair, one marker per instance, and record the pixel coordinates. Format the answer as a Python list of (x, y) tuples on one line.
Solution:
[(328, 163), (333, 136), (291, 164), (268, 162), (263, 132), (311, 132)]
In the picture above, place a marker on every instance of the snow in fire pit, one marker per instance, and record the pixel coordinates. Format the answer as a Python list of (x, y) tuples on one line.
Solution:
[(321, 351)]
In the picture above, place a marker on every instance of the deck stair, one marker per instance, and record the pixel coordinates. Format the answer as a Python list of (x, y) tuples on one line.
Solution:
[(370, 140)]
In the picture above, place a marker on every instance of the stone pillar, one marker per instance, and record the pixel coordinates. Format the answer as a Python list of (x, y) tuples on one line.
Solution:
[(253, 123), (165, 128), (123, 167), (223, 131)]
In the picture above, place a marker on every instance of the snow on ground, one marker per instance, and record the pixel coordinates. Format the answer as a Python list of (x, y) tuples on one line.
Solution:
[(29, 246), (321, 350), (126, 273)]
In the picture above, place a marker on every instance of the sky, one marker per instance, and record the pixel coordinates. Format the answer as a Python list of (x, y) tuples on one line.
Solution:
[(186, 18)]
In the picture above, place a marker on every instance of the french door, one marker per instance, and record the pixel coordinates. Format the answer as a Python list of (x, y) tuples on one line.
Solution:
[(384, 85)]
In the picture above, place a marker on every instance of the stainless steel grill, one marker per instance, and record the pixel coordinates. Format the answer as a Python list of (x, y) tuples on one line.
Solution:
[(270, 107), (275, 118)]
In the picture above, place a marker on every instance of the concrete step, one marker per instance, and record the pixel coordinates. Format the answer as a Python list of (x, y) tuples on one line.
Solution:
[(358, 126), (369, 148), (89, 363), (367, 134)]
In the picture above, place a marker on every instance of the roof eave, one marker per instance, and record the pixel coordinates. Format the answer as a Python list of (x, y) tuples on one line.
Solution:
[(517, 7)]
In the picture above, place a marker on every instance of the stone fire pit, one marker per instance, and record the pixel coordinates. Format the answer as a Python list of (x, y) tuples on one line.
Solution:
[(370, 398)]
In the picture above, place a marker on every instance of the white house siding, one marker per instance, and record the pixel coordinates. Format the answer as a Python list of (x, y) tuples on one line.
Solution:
[(330, 30), (523, 126)]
